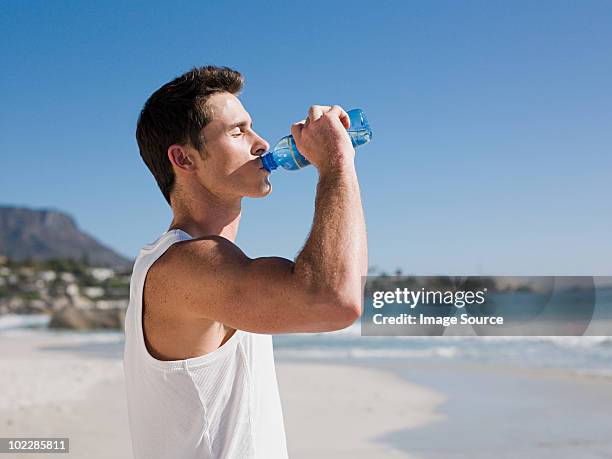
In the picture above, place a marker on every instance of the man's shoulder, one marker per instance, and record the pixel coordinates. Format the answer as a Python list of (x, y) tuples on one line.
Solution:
[(192, 256), (174, 272), (204, 246)]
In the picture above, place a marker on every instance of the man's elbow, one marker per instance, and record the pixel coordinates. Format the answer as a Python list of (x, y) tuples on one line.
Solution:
[(346, 309), (349, 315)]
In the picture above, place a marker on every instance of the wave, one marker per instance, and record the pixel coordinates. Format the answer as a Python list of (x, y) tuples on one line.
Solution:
[(354, 331), (364, 353), (15, 321)]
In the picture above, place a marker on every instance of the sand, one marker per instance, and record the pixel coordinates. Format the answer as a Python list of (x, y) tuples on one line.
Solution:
[(340, 411), (56, 385)]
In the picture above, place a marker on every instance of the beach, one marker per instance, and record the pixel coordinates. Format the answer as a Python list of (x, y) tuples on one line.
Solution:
[(71, 385), (334, 410)]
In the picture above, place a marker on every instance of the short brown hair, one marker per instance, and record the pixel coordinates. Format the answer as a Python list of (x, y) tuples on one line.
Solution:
[(177, 113)]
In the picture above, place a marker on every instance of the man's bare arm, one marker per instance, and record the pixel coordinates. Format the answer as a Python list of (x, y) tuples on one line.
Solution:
[(335, 254), (211, 277)]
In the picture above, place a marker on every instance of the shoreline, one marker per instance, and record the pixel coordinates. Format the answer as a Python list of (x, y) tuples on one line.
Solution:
[(508, 412)]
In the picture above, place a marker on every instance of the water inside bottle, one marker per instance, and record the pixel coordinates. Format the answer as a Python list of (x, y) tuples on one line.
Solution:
[(359, 129), (360, 136)]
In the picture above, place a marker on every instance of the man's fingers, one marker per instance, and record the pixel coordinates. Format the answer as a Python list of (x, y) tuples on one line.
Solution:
[(344, 118), (315, 112)]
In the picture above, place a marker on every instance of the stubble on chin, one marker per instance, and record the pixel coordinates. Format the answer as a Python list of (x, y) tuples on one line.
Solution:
[(267, 189), (264, 190)]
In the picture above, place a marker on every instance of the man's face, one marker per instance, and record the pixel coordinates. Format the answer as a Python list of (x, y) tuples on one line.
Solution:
[(231, 166)]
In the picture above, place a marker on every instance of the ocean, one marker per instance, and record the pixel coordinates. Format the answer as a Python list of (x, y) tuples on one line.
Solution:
[(588, 355)]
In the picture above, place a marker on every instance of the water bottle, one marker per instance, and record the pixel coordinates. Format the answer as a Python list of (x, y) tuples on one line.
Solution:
[(286, 154)]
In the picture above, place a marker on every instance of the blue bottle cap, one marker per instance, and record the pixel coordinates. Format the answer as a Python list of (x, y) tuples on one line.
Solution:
[(268, 162)]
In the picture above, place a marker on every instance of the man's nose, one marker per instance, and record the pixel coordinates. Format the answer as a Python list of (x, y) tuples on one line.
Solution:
[(260, 147)]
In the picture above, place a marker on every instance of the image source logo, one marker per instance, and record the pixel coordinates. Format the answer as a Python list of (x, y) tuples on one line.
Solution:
[(487, 306)]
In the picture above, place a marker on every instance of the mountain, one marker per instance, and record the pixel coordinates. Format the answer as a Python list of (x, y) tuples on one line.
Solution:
[(46, 233)]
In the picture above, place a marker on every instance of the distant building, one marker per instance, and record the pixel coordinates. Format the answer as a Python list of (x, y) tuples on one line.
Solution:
[(101, 274), (48, 276), (67, 277), (93, 292)]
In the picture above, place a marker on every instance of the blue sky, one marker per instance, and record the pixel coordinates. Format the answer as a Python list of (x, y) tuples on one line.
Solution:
[(492, 121)]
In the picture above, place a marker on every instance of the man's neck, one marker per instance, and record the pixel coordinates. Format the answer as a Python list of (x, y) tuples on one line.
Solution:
[(207, 217)]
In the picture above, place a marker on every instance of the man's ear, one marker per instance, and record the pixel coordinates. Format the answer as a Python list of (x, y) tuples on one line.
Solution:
[(181, 156)]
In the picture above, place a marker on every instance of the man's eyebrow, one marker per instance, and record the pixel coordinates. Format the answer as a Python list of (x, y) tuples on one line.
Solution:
[(241, 124)]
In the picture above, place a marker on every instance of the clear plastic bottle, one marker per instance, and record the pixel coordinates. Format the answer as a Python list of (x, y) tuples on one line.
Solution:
[(286, 155)]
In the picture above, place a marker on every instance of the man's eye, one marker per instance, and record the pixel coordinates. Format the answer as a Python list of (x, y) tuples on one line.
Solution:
[(237, 134)]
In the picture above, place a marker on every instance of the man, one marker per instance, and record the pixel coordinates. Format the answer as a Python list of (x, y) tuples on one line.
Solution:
[(198, 359)]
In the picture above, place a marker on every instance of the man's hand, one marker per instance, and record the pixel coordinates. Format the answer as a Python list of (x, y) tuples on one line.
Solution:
[(322, 137)]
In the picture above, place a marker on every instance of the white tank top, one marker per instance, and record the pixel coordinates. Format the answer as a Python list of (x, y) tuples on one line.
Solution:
[(224, 404)]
